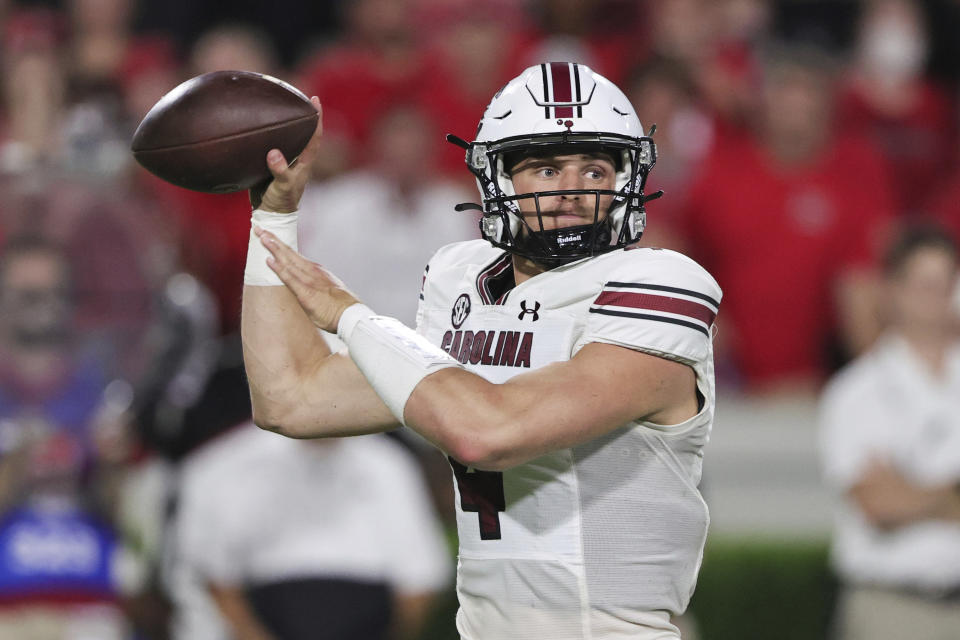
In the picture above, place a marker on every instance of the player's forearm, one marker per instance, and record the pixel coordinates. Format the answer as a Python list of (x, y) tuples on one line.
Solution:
[(466, 417), (280, 348), (498, 426)]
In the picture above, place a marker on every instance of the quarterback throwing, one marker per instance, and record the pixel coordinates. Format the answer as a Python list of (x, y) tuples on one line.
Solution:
[(568, 378)]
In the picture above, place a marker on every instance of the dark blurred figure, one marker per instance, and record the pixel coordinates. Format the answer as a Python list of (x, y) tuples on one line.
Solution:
[(193, 390), (33, 92), (59, 562), (889, 98), (103, 59), (44, 375), (664, 93), (890, 435), (787, 218), (52, 185)]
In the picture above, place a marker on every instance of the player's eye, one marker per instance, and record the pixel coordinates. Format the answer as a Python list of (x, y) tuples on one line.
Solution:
[(596, 173), (547, 172)]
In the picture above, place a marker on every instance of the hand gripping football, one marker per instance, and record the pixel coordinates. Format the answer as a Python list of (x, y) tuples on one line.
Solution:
[(212, 133)]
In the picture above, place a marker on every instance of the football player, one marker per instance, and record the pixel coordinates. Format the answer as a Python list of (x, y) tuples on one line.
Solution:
[(568, 380)]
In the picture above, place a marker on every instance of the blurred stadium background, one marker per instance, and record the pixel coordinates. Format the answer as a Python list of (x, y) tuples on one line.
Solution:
[(795, 137)]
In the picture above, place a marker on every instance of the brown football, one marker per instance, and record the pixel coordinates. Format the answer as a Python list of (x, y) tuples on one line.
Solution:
[(212, 133)]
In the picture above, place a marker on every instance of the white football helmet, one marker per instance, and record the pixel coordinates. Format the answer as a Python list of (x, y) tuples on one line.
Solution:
[(569, 107)]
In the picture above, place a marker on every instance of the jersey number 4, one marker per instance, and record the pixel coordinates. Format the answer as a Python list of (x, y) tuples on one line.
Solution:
[(481, 492)]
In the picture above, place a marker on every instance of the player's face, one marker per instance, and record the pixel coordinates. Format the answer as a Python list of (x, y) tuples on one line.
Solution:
[(562, 173)]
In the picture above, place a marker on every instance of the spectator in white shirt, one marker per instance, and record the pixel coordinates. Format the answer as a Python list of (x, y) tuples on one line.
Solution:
[(297, 539), (890, 435)]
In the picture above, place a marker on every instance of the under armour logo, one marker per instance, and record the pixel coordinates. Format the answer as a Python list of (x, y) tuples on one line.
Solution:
[(525, 311)]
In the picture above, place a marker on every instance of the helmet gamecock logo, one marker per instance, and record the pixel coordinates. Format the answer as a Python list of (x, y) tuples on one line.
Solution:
[(461, 309)]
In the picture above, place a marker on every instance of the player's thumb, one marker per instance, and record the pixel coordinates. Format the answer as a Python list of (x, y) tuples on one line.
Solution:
[(276, 163)]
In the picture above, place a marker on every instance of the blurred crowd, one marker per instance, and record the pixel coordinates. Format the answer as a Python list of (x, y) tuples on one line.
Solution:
[(796, 140)]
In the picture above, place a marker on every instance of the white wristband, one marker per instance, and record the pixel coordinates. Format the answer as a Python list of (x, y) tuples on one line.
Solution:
[(282, 225), (393, 357), (350, 317)]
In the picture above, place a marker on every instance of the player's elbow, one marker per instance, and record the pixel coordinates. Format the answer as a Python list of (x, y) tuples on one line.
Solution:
[(480, 456), (484, 449), (270, 422), (277, 422)]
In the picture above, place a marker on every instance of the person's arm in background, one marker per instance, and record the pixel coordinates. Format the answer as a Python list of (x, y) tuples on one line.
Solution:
[(410, 614), (858, 306), (864, 226), (889, 500), (236, 611), (856, 460)]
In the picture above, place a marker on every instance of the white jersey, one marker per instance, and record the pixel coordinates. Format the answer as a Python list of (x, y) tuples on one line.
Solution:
[(603, 540)]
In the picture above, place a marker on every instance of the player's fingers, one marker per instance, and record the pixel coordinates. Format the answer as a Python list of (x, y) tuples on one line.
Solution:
[(292, 263), (306, 280), (313, 146), (277, 163), (277, 248), (283, 261)]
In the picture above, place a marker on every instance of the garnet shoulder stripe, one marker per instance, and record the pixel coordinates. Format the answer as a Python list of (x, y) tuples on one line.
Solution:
[(661, 287), (653, 302), (647, 316)]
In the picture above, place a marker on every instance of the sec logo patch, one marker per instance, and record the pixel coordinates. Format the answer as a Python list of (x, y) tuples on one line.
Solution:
[(461, 309)]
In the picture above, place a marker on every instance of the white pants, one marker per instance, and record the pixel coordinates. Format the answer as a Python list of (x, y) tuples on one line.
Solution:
[(881, 614)]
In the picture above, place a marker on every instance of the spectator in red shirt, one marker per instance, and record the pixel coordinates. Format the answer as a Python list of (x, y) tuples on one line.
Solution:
[(663, 91), (889, 99), (786, 218), (603, 34), (473, 57), (377, 62)]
